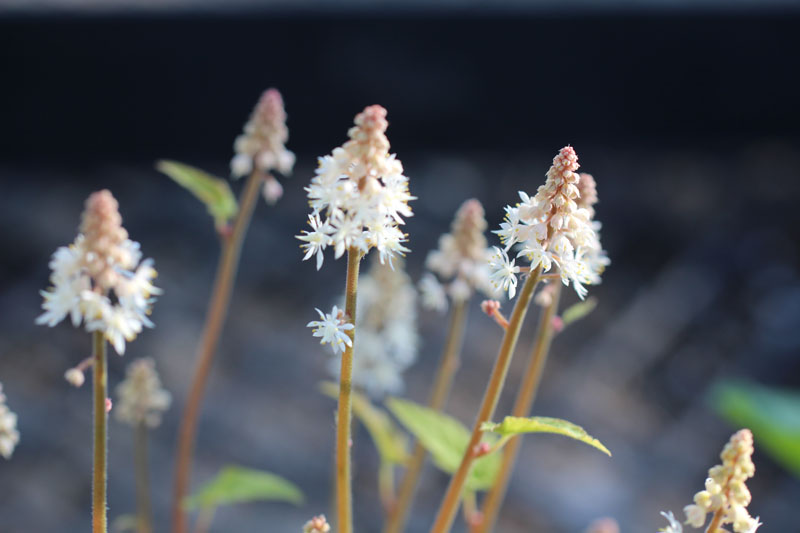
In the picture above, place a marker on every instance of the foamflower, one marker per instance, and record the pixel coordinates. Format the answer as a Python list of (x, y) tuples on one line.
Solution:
[(140, 397), (261, 147), (555, 228), (359, 195), (332, 329), (100, 280), (460, 261)]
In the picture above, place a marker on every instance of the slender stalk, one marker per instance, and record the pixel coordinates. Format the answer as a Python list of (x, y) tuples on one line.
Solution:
[(217, 311), (344, 494), (448, 365), (144, 515), (450, 503), (100, 382), (716, 520), (522, 407)]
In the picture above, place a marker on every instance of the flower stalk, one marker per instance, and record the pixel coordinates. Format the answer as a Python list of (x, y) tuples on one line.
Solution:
[(448, 365), (144, 513), (217, 311), (100, 385), (450, 503), (344, 490), (522, 408)]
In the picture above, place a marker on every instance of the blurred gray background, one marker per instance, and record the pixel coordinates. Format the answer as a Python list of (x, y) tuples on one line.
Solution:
[(687, 119)]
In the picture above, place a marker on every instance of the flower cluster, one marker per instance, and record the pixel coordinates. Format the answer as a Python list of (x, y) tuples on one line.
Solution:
[(553, 228), (725, 490), (141, 399), (9, 436), (100, 279), (318, 524), (332, 329), (388, 340), (359, 195), (262, 145), (461, 260)]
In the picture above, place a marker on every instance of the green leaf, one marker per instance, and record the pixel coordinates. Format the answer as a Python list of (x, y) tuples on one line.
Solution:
[(213, 191), (392, 445), (578, 311), (235, 484), (124, 523), (513, 425), (446, 439), (772, 414)]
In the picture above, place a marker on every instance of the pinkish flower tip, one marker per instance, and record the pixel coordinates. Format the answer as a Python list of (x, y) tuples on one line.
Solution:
[(558, 324), (108, 405)]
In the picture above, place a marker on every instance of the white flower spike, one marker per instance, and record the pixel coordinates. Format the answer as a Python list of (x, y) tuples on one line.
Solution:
[(359, 195), (100, 279), (555, 228)]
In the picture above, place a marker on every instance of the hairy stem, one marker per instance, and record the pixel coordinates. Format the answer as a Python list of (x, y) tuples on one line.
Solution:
[(450, 503), (100, 383), (144, 515), (522, 407), (448, 365), (344, 490), (215, 317)]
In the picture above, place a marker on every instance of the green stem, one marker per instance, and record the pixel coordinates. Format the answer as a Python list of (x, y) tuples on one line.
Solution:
[(450, 503), (100, 383), (448, 365), (217, 311), (143, 510), (344, 494), (522, 407)]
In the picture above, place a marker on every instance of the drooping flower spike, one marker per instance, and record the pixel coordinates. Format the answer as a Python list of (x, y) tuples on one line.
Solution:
[(100, 280), (262, 145), (555, 227), (359, 195)]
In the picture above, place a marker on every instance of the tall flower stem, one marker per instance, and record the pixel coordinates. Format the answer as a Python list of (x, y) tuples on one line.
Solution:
[(100, 384), (448, 365), (522, 407), (344, 495), (143, 509), (217, 311), (450, 503)]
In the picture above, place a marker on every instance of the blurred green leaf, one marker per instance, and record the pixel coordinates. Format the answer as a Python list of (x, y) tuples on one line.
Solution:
[(446, 439), (513, 425), (214, 192), (578, 311), (392, 445), (235, 484), (773, 415), (124, 523)]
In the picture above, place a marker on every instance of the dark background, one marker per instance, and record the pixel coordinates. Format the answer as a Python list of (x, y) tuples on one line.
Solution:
[(688, 119)]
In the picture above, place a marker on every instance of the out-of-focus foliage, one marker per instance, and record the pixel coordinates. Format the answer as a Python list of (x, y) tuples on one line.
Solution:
[(235, 484), (214, 192), (578, 311), (392, 445), (513, 425), (773, 415), (446, 439)]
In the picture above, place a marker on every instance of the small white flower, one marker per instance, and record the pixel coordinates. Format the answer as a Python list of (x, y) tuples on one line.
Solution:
[(141, 398), (674, 525), (332, 329), (317, 239), (754, 525), (504, 272)]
